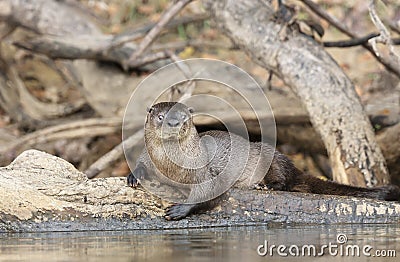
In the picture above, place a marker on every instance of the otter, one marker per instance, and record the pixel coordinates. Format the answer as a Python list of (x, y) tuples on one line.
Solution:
[(174, 148)]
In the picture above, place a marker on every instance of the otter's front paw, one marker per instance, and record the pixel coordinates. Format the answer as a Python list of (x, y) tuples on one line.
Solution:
[(178, 211), (132, 181), (138, 174)]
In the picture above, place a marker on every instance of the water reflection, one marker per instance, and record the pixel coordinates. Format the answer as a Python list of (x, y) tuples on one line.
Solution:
[(228, 244)]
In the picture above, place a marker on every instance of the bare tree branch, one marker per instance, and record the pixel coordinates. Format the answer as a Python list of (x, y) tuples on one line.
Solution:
[(80, 128), (357, 41), (146, 59), (135, 34), (384, 36), (187, 90), (113, 155), (155, 31), (104, 47), (393, 26), (389, 65), (86, 47), (351, 42)]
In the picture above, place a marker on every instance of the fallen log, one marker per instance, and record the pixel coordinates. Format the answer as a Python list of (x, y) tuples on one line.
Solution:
[(41, 192), (324, 89)]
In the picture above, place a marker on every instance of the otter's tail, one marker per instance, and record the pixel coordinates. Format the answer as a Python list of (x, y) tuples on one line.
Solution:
[(311, 184)]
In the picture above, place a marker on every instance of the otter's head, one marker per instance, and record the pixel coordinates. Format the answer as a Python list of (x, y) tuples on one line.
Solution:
[(169, 120)]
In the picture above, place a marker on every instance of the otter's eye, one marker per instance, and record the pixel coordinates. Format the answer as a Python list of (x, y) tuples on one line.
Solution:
[(160, 117)]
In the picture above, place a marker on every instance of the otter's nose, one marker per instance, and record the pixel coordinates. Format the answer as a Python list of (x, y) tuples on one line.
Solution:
[(173, 122)]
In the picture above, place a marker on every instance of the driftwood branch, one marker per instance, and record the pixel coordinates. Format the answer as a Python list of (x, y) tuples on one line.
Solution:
[(389, 65), (93, 48), (131, 35), (113, 155), (326, 92), (357, 41), (60, 198), (38, 16), (156, 30), (384, 36), (80, 128), (395, 27), (100, 47), (86, 47)]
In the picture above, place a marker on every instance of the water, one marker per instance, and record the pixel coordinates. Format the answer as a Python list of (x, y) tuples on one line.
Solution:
[(216, 244)]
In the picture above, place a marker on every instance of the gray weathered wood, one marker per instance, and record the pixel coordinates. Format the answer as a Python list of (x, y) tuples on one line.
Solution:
[(327, 93)]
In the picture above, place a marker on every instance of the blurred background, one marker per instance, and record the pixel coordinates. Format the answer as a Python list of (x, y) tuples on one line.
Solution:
[(70, 103)]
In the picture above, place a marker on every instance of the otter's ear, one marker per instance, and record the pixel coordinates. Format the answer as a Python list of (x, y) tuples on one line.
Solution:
[(191, 110), (149, 109)]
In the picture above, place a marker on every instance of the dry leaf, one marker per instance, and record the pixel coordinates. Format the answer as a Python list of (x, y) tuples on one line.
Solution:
[(187, 52), (145, 9)]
